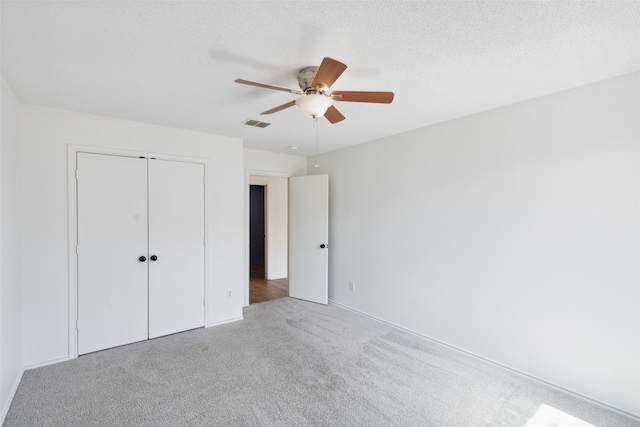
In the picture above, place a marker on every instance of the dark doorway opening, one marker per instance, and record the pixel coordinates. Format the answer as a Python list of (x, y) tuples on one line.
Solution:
[(257, 228)]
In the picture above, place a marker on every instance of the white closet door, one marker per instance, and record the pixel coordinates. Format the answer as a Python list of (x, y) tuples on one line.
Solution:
[(112, 236), (176, 238)]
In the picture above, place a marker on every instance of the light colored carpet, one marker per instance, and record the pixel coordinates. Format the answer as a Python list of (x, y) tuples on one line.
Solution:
[(289, 363)]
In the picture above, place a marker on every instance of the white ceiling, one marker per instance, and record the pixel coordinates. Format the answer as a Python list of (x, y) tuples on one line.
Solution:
[(174, 63)]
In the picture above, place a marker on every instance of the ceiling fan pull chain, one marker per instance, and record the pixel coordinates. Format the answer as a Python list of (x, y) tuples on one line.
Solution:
[(315, 120)]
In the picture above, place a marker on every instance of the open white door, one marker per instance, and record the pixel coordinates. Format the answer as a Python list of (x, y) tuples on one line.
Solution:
[(308, 238)]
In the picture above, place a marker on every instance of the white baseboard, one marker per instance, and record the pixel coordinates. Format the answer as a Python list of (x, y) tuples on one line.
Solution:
[(500, 365), (222, 322), (12, 393), (46, 362)]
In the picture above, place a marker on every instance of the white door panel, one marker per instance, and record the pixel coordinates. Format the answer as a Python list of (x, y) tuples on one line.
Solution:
[(112, 235), (176, 238), (308, 231)]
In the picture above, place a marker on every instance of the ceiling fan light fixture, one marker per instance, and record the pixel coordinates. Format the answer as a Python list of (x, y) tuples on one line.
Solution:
[(314, 105), (314, 83)]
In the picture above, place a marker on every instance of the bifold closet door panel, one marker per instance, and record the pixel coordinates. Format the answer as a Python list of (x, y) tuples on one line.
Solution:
[(112, 236), (176, 247)]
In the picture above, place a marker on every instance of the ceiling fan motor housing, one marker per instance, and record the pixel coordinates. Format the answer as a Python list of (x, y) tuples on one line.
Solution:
[(305, 78)]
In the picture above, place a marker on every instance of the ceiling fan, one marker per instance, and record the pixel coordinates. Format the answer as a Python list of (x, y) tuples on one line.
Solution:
[(315, 101)]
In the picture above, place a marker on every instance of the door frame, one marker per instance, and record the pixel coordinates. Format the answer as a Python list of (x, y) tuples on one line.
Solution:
[(72, 225), (247, 211)]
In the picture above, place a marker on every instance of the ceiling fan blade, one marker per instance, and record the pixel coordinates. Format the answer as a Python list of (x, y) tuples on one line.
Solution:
[(266, 86), (333, 115), (279, 108), (328, 73), (376, 97)]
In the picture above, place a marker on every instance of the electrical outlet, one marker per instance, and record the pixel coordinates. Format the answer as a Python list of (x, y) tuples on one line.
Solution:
[(228, 294), (352, 286)]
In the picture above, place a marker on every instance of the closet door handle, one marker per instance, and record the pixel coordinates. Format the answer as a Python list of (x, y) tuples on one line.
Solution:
[(154, 258), (142, 259)]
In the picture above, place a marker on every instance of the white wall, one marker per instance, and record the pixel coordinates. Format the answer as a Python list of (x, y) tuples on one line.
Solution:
[(10, 259), (513, 234), (45, 135), (277, 224), (270, 164)]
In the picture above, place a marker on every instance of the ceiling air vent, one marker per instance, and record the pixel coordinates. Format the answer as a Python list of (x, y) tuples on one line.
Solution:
[(256, 123)]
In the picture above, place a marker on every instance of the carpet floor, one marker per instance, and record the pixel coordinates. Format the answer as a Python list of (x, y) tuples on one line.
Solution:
[(290, 363)]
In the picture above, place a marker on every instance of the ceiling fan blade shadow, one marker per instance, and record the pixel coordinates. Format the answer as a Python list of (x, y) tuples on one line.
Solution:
[(280, 108), (266, 86), (328, 73), (350, 96), (333, 115)]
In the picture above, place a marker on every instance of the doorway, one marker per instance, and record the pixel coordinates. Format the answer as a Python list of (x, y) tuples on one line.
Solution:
[(268, 238), (257, 219)]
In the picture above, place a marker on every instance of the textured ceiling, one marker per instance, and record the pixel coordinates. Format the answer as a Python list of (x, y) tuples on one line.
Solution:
[(174, 63)]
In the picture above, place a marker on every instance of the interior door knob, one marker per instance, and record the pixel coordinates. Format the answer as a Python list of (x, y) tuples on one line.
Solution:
[(154, 257), (323, 246), (142, 259)]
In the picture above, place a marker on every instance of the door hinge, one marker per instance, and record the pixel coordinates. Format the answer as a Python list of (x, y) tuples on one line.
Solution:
[(77, 174), (204, 181), (77, 249), (204, 301), (78, 324)]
